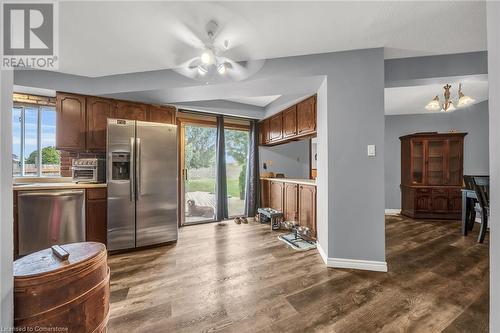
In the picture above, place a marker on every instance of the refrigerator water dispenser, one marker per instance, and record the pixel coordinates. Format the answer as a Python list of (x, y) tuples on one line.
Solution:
[(121, 166)]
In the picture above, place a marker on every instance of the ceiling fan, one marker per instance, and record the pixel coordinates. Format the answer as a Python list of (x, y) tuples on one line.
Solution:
[(214, 64)]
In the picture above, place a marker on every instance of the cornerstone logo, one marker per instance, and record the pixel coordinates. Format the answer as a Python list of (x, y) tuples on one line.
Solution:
[(30, 35)]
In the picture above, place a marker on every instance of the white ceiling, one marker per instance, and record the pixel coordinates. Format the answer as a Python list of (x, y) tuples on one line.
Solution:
[(260, 101), (104, 38), (412, 100)]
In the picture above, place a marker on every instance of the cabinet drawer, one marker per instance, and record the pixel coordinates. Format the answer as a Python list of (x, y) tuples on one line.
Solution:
[(96, 193), (423, 191), (439, 191)]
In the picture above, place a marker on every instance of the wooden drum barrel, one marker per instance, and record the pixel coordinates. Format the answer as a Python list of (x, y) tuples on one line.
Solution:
[(55, 295)]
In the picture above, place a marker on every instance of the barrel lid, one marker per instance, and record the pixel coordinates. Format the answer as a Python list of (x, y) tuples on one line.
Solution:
[(45, 261)]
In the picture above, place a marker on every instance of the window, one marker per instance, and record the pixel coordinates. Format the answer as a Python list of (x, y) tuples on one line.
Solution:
[(33, 142)]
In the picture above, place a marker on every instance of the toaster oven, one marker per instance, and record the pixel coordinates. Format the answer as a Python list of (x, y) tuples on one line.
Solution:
[(89, 170)]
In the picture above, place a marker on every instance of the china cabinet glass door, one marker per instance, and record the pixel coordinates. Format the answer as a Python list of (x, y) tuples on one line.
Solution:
[(436, 162), (417, 162)]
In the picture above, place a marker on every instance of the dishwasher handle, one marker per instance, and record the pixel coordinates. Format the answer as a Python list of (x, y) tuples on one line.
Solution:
[(56, 193)]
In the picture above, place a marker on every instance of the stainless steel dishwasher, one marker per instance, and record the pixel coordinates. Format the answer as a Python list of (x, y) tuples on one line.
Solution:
[(49, 217)]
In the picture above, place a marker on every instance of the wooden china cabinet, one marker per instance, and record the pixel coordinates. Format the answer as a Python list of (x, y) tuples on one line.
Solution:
[(431, 175)]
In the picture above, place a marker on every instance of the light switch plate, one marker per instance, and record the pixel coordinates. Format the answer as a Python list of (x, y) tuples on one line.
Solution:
[(371, 150)]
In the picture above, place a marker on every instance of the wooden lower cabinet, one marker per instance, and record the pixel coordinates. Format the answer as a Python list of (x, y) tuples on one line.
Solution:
[(264, 193), (291, 203), (307, 207), (296, 201), (276, 195), (430, 202), (96, 210)]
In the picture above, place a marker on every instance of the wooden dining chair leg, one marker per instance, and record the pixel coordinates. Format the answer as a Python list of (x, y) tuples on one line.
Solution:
[(484, 226)]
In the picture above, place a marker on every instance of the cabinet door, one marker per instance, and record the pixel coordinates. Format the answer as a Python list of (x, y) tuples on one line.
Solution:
[(290, 122), (455, 162), (276, 127), (264, 193), (131, 111), (417, 161), (161, 114), (276, 195), (307, 207), (290, 211), (455, 201), (306, 116), (70, 122), (439, 201), (264, 131), (423, 200), (436, 174), (96, 215), (98, 112)]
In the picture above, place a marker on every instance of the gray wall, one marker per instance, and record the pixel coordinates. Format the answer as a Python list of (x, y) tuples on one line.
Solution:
[(6, 219), (493, 21), (292, 159), (473, 120)]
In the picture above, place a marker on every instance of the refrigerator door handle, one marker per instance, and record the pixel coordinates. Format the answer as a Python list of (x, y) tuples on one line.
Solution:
[(138, 172), (132, 166)]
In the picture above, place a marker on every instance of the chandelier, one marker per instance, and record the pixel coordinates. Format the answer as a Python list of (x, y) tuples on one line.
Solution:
[(449, 105)]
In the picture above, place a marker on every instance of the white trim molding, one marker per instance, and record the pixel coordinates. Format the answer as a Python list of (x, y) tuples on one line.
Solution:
[(389, 211), (378, 266), (322, 253)]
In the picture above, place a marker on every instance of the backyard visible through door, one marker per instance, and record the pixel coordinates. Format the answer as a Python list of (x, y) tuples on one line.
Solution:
[(199, 173)]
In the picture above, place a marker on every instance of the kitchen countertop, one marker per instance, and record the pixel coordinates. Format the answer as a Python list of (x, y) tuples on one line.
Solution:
[(293, 180), (54, 186)]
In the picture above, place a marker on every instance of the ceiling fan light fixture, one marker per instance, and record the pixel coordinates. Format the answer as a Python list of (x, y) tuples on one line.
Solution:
[(433, 105)]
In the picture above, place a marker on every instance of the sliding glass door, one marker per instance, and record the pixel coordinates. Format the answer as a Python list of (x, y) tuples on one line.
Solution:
[(198, 156), (236, 168), (198, 151)]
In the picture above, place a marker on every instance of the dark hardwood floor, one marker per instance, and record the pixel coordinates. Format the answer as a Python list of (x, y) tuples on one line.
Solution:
[(241, 278)]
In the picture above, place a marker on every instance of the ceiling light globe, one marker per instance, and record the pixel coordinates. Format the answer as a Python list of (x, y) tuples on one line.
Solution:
[(222, 69), (202, 70), (464, 101), (208, 57)]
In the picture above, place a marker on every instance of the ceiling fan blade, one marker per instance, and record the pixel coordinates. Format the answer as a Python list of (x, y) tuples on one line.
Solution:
[(187, 36)]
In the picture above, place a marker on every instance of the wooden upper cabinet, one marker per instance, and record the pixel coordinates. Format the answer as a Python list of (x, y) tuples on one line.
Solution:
[(307, 207), (276, 195), (290, 203), (276, 127), (290, 122), (264, 131), (161, 114), (298, 121), (98, 112), (306, 116), (131, 111), (71, 122)]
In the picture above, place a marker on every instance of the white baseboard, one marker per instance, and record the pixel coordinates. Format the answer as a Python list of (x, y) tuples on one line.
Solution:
[(392, 211), (378, 266), (322, 253)]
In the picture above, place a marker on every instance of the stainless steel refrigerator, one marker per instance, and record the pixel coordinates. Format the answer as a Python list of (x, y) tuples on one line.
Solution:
[(142, 183)]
